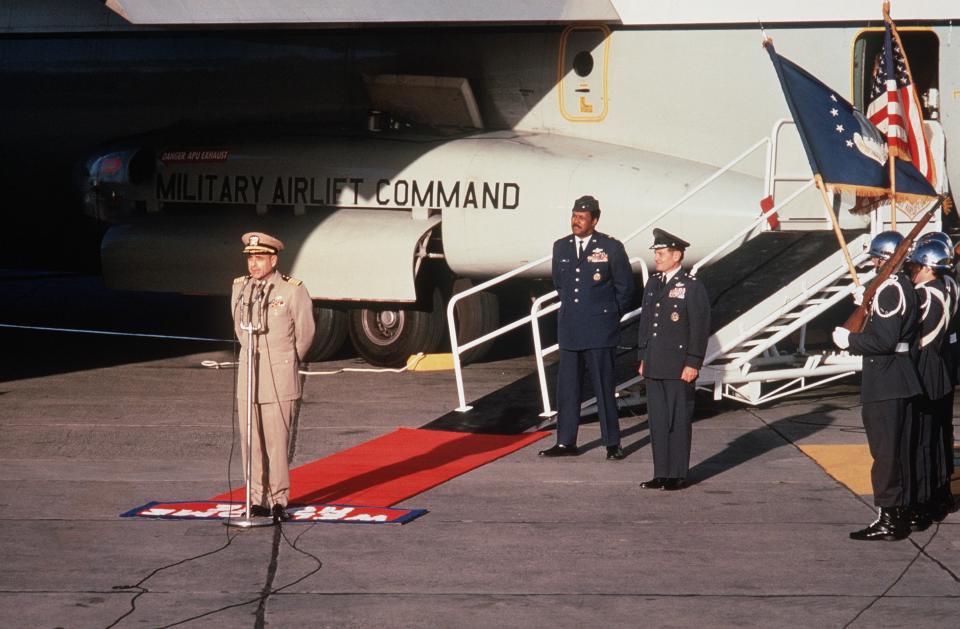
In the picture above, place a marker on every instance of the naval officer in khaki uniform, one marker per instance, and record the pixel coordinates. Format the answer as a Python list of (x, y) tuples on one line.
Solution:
[(279, 347)]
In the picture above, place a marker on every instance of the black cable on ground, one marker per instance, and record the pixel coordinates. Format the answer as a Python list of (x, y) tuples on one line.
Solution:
[(267, 593), (230, 538)]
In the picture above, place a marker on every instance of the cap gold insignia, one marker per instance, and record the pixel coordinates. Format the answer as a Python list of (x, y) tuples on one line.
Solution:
[(254, 241)]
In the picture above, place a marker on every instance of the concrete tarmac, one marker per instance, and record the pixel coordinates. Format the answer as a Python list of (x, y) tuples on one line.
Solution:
[(91, 426)]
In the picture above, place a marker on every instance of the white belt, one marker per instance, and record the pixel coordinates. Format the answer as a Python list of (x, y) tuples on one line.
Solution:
[(902, 347)]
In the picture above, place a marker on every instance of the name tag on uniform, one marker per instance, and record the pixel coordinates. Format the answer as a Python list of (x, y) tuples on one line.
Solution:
[(678, 292)]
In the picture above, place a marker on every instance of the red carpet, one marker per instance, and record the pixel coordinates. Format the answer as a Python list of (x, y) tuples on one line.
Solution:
[(394, 467)]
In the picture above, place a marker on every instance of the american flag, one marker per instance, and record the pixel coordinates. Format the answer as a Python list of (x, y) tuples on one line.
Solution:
[(844, 149), (894, 107)]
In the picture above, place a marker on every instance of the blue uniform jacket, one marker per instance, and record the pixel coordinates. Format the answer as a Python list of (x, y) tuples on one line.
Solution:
[(594, 291), (674, 326)]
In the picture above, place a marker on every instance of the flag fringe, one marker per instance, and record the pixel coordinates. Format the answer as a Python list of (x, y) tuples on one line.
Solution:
[(873, 197)]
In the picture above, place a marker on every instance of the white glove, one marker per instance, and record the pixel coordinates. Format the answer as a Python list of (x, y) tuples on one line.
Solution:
[(841, 337), (857, 292)]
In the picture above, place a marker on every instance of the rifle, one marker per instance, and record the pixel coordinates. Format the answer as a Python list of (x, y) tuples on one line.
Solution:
[(858, 319)]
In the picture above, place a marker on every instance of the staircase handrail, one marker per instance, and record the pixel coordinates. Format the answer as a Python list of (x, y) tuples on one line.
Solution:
[(840, 270), (538, 311), (749, 228)]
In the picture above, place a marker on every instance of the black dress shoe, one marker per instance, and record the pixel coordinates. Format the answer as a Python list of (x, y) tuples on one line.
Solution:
[(941, 504), (654, 483), (674, 484), (560, 450), (919, 518), (280, 513), (615, 453), (891, 525), (259, 511)]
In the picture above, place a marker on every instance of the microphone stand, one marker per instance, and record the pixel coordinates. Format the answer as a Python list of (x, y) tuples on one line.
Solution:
[(247, 324)]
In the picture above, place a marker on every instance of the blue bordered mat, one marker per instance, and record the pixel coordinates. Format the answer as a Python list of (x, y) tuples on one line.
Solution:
[(308, 514)]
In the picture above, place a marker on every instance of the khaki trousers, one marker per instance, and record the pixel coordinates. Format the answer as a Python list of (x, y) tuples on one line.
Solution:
[(271, 437)]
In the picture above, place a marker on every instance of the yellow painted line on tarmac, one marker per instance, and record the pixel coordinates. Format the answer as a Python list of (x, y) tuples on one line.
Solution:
[(848, 463)]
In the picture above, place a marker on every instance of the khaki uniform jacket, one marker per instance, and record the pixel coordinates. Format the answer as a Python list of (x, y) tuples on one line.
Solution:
[(281, 345)]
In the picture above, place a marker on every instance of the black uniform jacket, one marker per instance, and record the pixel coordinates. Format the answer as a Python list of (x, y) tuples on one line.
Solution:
[(674, 325), (594, 291), (933, 364), (887, 373)]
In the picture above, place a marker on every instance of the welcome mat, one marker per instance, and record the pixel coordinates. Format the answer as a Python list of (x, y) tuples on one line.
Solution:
[(212, 510)]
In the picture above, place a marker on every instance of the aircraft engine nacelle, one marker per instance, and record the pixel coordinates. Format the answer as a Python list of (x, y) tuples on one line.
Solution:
[(110, 183)]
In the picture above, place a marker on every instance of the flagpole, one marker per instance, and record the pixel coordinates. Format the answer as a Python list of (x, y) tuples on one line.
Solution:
[(893, 188), (890, 156), (836, 230)]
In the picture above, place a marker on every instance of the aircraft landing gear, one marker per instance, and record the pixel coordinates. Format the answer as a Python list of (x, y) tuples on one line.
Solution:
[(387, 337), (330, 335)]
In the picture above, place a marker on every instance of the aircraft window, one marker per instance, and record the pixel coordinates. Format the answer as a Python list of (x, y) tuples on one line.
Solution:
[(583, 63), (922, 50)]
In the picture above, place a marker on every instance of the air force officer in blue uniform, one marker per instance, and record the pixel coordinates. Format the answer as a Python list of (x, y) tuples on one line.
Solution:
[(593, 277), (674, 326)]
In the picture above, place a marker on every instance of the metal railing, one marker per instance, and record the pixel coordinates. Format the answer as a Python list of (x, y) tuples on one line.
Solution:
[(537, 311), (457, 349), (749, 228), (755, 329)]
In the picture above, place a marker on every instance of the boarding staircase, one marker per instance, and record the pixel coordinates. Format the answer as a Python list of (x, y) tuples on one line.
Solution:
[(800, 274)]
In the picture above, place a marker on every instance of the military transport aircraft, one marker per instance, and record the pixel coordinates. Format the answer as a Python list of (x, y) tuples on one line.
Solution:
[(435, 144)]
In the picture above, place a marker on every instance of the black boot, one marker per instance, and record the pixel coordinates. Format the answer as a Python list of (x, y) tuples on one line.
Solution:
[(918, 518), (941, 503), (891, 524)]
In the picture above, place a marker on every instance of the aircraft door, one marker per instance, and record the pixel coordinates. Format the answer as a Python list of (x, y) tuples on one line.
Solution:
[(582, 73)]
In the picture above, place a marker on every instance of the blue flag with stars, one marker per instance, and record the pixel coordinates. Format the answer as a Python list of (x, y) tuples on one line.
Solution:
[(843, 147)]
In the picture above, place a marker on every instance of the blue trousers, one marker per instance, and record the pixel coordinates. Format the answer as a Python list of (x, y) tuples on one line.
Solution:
[(599, 362)]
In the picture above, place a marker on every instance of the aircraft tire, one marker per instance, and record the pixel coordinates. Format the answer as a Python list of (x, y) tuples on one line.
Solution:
[(386, 337), (330, 335), (476, 315)]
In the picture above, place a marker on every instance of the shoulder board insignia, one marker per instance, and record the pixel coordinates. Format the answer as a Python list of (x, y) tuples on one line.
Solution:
[(240, 280), (291, 280)]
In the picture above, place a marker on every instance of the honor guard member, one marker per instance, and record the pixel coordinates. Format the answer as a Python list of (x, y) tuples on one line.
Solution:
[(593, 278), (942, 501), (926, 263), (280, 346), (674, 327), (889, 384)]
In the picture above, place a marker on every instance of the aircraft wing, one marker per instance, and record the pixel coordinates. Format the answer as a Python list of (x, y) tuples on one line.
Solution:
[(337, 12)]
